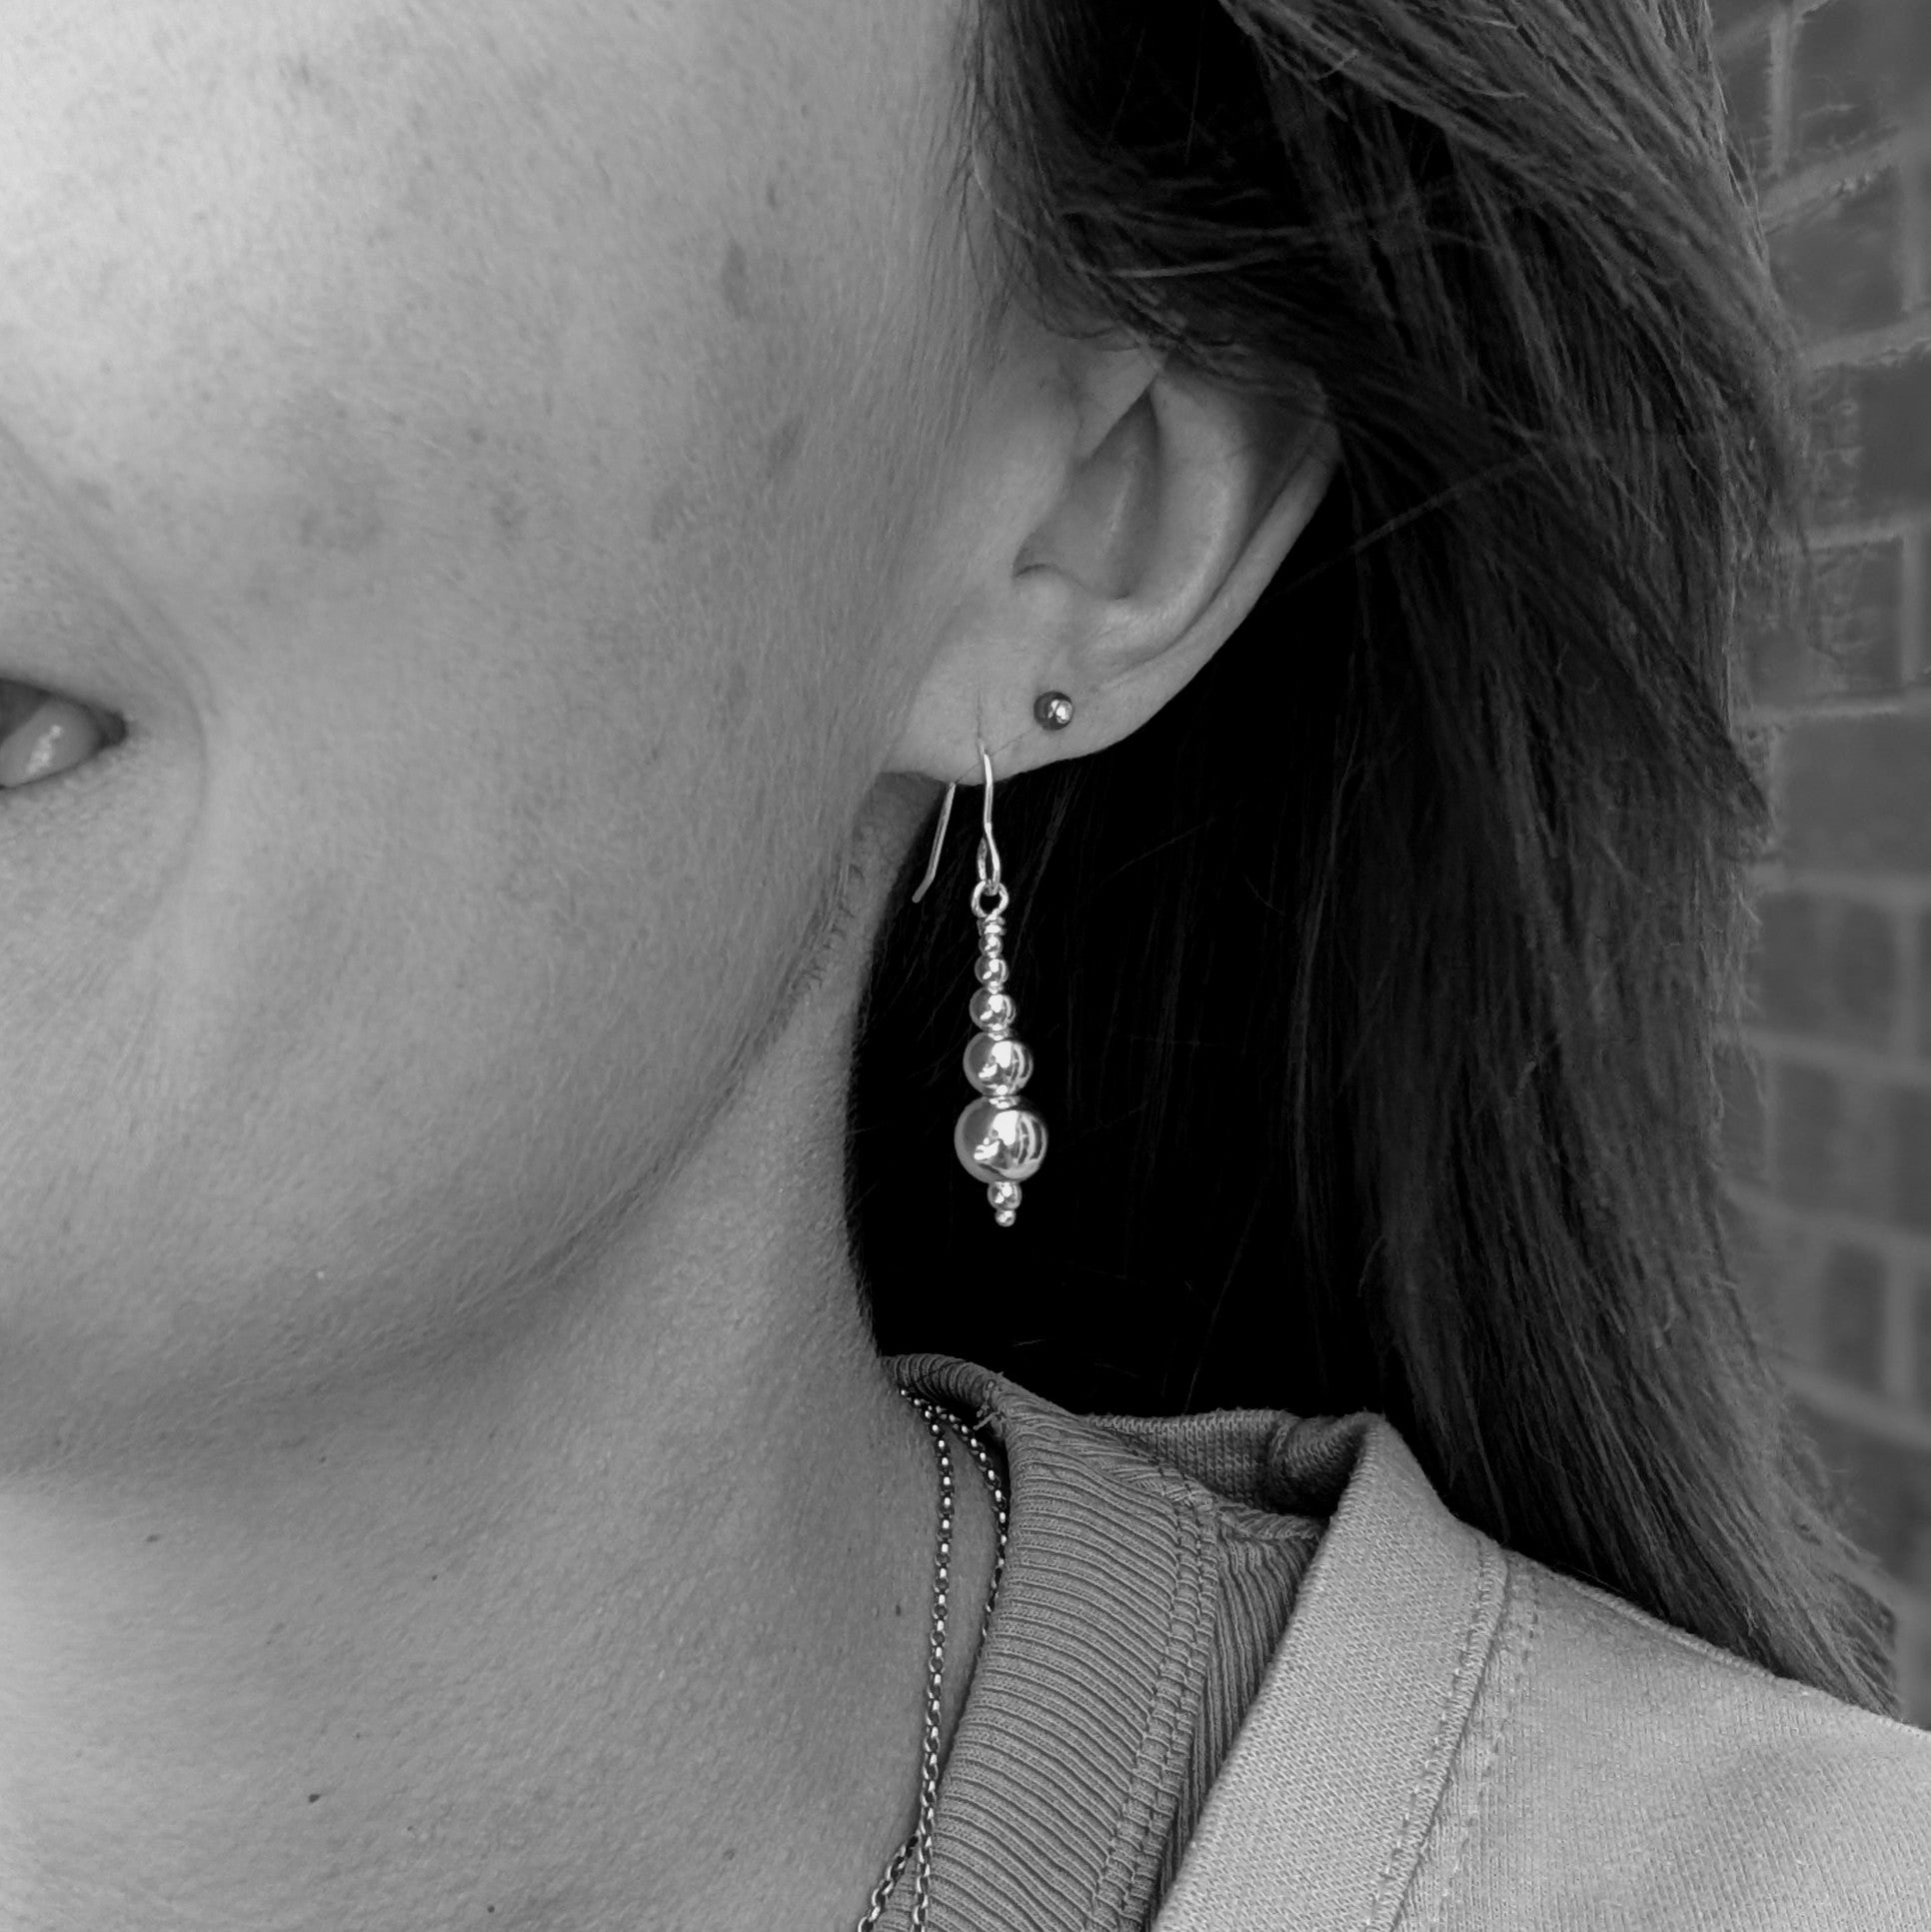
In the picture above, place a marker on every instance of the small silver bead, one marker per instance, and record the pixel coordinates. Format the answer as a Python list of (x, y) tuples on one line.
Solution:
[(994, 1064), (992, 970), (994, 1010)]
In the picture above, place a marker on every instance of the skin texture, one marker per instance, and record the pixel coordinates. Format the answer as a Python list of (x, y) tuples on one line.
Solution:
[(518, 474)]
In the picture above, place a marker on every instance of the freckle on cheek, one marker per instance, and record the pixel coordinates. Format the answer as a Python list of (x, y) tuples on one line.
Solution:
[(508, 512), (780, 447), (667, 511), (732, 699), (348, 522), (734, 282)]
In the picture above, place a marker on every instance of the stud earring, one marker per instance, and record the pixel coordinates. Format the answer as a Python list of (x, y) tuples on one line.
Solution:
[(1052, 709), (998, 1139)]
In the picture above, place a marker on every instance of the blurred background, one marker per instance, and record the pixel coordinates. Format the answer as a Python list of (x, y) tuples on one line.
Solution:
[(1829, 1085)]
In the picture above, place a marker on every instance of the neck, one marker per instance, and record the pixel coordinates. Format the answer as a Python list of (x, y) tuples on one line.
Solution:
[(622, 1622)]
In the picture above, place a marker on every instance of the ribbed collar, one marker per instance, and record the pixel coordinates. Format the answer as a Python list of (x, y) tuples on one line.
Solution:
[(1084, 1693), (1321, 1811)]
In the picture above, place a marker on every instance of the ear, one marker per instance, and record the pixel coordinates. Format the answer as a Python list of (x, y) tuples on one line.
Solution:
[(1113, 525)]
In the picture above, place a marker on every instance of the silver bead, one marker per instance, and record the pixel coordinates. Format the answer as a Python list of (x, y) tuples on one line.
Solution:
[(992, 1010), (999, 1140), (1004, 1196), (994, 1063), (992, 971), (1052, 709)]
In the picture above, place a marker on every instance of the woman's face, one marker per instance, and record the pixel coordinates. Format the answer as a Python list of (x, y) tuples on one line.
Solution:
[(474, 445)]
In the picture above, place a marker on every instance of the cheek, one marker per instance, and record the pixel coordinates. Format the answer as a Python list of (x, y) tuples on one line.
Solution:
[(519, 569)]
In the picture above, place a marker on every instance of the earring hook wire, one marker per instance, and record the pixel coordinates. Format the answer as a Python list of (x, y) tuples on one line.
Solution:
[(938, 841), (988, 852), (988, 844)]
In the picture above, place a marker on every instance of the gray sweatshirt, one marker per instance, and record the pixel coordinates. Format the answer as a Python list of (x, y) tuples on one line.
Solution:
[(1246, 1673)]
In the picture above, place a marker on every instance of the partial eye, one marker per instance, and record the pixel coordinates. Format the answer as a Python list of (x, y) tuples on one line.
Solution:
[(43, 734)]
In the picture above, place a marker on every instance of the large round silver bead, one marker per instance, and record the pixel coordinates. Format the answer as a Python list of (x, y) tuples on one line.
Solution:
[(994, 1010), (999, 1140), (991, 1063)]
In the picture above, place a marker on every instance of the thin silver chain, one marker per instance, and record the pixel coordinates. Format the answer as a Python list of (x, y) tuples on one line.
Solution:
[(919, 1845)]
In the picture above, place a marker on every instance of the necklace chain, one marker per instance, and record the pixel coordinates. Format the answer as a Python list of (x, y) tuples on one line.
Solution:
[(919, 1846)]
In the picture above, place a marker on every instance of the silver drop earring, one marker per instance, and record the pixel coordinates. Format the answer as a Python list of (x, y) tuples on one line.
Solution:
[(998, 1139)]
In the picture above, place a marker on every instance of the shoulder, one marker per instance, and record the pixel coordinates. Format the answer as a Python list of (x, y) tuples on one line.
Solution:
[(1648, 1778), (1452, 1737)]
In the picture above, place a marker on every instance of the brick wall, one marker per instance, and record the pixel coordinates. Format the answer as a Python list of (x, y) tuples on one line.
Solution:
[(1830, 1115)]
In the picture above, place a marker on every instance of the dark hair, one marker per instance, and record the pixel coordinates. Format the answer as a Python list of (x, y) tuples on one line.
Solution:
[(1377, 984)]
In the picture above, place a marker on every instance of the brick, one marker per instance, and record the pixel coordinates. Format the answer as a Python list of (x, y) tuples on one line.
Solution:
[(1745, 73), (1786, 978), (1864, 975), (1886, 1486), (1894, 422), (1737, 1070), (1835, 1141), (1921, 1338), (1841, 637), (1858, 70), (1869, 433), (1837, 263), (1808, 1107), (1851, 1304), (1787, 1258), (1834, 438), (1855, 598), (1914, 610), (1725, 14), (1854, 793), (1911, 1136), (1924, 986), (1833, 1138), (1829, 968), (1835, 99), (1917, 227)]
